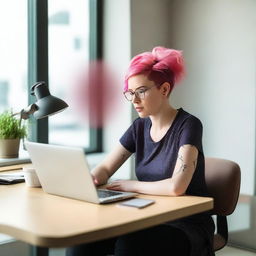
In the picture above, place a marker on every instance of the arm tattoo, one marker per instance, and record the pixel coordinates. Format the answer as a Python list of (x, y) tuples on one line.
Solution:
[(181, 158), (184, 166)]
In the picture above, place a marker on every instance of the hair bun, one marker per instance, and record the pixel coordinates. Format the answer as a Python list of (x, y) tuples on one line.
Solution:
[(162, 65), (169, 59)]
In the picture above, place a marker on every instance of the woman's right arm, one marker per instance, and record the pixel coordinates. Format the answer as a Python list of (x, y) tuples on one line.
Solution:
[(102, 172)]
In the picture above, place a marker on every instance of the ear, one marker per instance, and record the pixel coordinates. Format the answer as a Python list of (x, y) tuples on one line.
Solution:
[(165, 88)]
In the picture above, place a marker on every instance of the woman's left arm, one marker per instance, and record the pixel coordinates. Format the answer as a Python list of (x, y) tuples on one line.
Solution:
[(175, 186)]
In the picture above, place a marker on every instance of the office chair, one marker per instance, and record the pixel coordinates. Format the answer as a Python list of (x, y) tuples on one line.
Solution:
[(223, 179)]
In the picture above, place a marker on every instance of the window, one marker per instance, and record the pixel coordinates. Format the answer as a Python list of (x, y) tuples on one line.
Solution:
[(68, 37), (46, 41), (13, 52)]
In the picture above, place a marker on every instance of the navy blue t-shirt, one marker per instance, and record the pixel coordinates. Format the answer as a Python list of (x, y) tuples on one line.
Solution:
[(156, 160)]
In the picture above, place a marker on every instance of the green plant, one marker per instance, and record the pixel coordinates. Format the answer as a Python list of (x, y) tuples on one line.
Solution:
[(10, 127)]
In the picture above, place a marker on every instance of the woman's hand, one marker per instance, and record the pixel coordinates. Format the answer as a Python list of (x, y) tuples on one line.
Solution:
[(123, 185), (95, 180), (102, 172)]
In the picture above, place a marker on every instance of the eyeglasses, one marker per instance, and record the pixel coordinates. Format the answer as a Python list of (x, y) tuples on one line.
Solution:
[(139, 93)]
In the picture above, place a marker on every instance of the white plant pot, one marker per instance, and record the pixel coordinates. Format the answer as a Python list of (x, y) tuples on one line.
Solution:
[(9, 148)]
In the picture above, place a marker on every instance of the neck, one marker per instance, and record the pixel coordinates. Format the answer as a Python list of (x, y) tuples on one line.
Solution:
[(164, 118)]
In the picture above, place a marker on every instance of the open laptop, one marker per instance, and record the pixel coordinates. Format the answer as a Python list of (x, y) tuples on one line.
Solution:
[(64, 171)]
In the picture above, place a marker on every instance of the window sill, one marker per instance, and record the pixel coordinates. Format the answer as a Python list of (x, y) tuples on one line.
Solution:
[(93, 160), (5, 239), (23, 158)]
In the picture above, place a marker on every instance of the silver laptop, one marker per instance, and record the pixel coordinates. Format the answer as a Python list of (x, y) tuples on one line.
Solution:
[(64, 171)]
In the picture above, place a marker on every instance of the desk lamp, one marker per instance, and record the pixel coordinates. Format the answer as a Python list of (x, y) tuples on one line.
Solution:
[(45, 105)]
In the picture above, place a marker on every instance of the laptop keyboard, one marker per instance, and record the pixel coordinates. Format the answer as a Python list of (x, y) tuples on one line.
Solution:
[(107, 193)]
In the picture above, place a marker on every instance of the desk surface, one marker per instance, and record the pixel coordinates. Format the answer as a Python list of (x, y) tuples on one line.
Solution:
[(32, 216)]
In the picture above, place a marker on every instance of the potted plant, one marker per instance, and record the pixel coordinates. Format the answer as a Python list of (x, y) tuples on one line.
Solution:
[(11, 131)]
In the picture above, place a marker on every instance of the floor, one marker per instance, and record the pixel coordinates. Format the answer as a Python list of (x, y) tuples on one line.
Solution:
[(231, 251), (22, 249), (227, 251)]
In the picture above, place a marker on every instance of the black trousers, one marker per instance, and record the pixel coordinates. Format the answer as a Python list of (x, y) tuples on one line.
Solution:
[(158, 241)]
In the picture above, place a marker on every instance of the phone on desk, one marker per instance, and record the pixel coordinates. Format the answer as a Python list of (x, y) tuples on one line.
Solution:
[(137, 202)]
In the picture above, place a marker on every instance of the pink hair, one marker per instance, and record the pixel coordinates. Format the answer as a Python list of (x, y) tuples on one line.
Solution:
[(161, 65)]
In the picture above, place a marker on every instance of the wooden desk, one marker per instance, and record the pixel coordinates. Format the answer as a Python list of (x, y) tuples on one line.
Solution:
[(32, 216)]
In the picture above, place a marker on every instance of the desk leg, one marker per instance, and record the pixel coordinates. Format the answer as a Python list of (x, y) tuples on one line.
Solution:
[(40, 251)]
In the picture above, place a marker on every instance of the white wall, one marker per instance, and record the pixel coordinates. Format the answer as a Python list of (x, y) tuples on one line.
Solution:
[(149, 27), (219, 44), (149, 24), (116, 48)]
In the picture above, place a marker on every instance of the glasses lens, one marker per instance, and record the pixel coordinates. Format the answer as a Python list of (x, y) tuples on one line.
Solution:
[(140, 93), (128, 96)]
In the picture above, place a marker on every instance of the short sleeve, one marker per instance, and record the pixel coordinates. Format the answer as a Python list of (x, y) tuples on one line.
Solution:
[(191, 133), (128, 139)]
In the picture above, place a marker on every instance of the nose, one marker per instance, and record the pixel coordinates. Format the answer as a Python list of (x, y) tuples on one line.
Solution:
[(135, 98)]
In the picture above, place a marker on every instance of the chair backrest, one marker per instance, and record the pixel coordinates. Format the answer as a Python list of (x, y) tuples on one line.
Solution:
[(223, 178), (223, 182)]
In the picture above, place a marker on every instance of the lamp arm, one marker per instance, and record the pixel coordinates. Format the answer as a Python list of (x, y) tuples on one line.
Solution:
[(26, 112)]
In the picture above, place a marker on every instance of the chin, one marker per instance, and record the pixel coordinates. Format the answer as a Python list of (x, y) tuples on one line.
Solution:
[(142, 115)]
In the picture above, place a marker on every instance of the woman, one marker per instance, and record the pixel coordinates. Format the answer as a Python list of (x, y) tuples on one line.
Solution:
[(167, 143)]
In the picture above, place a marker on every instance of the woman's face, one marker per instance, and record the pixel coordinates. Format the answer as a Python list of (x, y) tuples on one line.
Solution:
[(147, 98)]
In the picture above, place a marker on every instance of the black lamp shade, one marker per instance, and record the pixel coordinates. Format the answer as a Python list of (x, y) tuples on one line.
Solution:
[(48, 106), (46, 103)]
